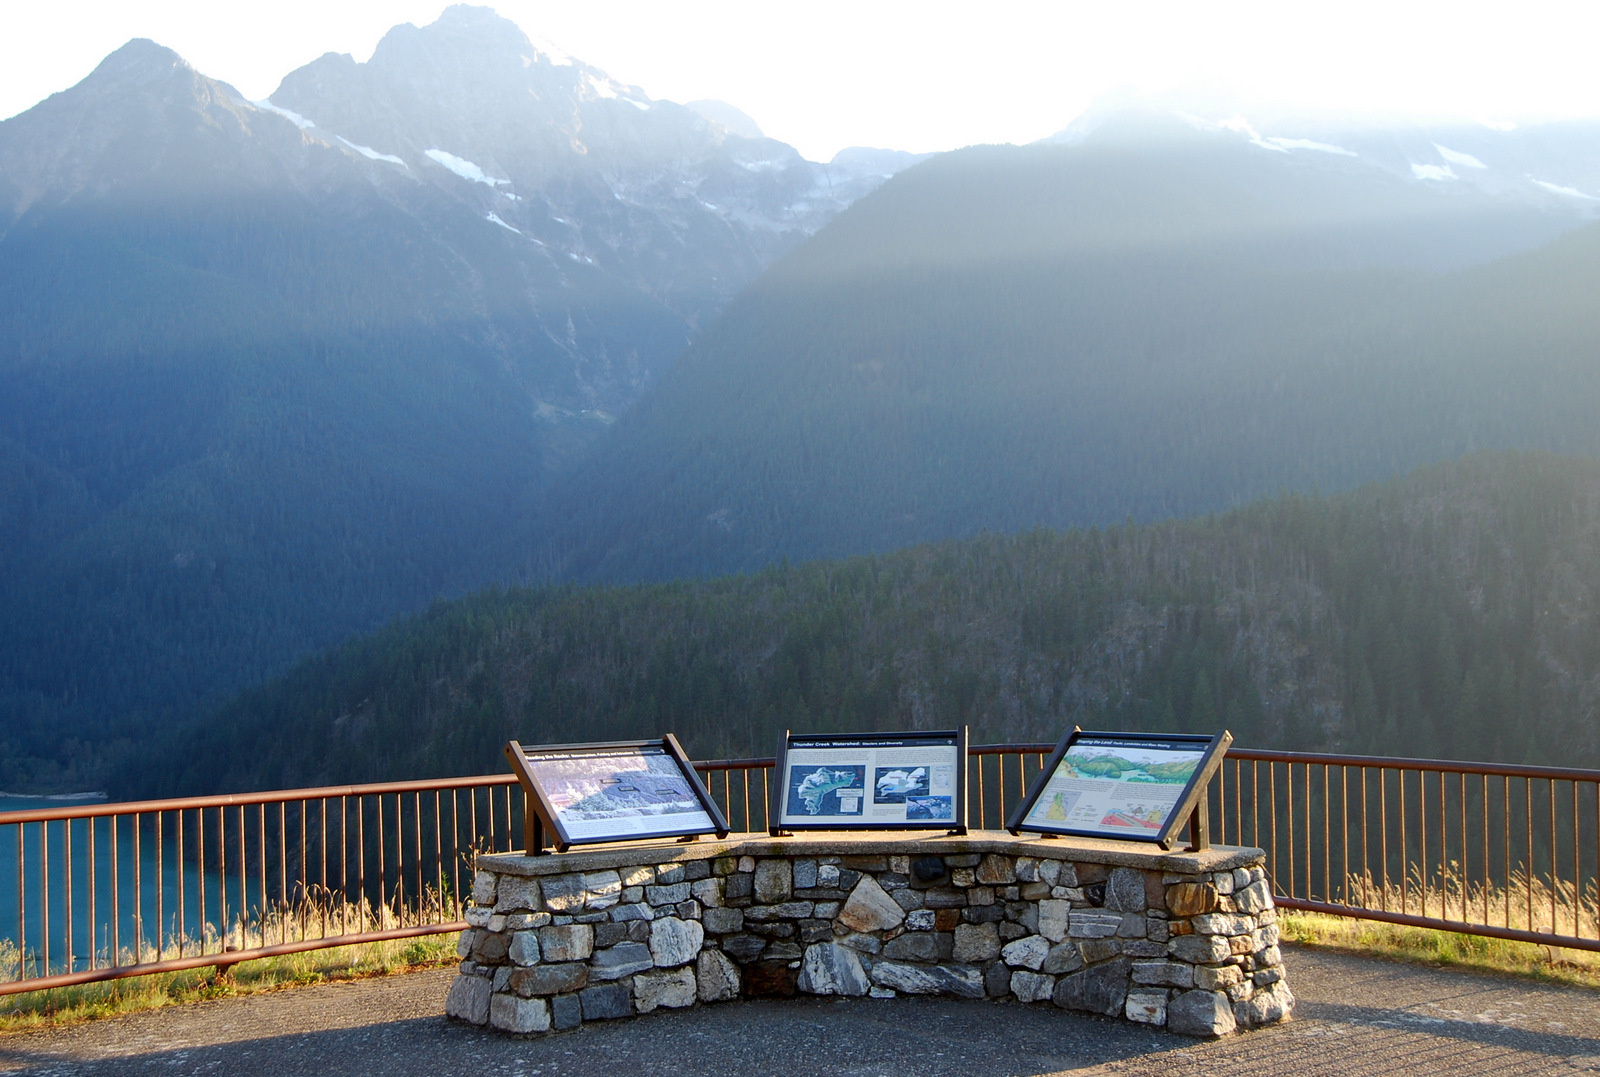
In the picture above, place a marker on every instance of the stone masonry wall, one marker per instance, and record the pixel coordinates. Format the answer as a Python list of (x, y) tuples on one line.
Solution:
[(1193, 952)]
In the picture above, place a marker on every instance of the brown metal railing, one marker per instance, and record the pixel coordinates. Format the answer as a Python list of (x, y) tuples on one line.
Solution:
[(1502, 851), (114, 890), (111, 890)]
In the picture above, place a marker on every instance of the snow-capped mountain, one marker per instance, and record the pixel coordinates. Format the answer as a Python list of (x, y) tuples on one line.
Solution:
[(580, 165)]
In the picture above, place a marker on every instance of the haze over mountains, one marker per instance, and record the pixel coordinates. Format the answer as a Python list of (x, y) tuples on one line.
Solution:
[(273, 373), (1149, 318)]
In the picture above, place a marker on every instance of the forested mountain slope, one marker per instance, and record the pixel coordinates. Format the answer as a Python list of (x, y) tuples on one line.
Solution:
[(1453, 612), (1137, 325)]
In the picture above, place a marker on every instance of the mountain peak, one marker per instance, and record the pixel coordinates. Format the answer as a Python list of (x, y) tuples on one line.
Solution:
[(462, 34), (140, 60)]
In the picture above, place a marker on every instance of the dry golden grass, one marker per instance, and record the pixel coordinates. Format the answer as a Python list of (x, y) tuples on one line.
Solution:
[(311, 919), (1526, 903), (88, 1002)]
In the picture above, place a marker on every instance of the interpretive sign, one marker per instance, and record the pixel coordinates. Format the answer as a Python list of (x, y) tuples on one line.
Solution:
[(583, 794), (871, 781), (1132, 786)]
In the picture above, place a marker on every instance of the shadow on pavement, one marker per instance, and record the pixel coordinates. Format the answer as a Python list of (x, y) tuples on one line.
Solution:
[(799, 1037)]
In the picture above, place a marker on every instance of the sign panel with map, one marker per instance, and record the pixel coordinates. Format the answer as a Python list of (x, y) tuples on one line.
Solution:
[(871, 781), (588, 793), (1133, 786)]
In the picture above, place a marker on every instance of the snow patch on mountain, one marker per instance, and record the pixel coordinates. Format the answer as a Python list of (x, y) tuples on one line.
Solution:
[(494, 218), (1280, 145), (1568, 192), (465, 169), (1287, 144), (1437, 173), (371, 154), (1456, 157), (293, 117)]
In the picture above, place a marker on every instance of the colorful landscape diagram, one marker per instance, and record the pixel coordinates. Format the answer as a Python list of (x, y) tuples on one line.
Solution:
[(1115, 788)]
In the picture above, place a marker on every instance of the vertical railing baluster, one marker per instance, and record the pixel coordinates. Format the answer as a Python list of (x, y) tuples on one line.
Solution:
[(66, 862), (416, 845), (455, 851), (322, 874), (94, 912), (1488, 868), (438, 853), (244, 878), (138, 891), (1288, 791), (1577, 873), (1405, 844), (983, 805), (305, 889), (1306, 777), (1383, 837), (1555, 870), (1255, 814), (1238, 803), (1527, 871), (361, 862), (282, 904), (200, 867), (22, 903), (1505, 837), (183, 919), (1422, 819), (161, 886), (1444, 853), (116, 895), (44, 894), (1344, 834), (1466, 871), (1327, 809), (344, 870)]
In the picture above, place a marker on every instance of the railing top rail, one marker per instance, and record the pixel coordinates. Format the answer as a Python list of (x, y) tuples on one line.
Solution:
[(1017, 749), (734, 764), (1446, 766), (229, 800)]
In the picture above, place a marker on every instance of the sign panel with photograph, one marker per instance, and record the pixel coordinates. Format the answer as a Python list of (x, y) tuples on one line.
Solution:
[(871, 781), (587, 793), (1132, 786)]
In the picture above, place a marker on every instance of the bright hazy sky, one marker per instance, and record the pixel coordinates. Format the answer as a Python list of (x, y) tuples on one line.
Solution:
[(822, 74)]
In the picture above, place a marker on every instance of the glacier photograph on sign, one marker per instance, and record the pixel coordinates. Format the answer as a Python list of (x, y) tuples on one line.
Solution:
[(904, 781), (586, 793)]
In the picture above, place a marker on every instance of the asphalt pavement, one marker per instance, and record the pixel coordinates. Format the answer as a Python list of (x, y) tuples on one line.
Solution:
[(1356, 1016)]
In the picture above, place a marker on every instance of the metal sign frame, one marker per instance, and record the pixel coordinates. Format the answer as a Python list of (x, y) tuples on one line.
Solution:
[(541, 820), (1189, 808), (858, 742)]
